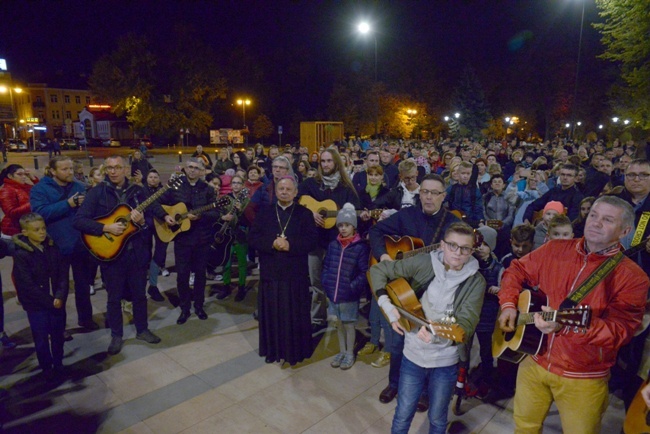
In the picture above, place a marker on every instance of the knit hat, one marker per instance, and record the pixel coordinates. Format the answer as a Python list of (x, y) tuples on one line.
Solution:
[(554, 205), (489, 236), (347, 215)]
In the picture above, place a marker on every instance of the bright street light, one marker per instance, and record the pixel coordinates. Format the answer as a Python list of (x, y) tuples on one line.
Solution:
[(567, 125), (364, 28), (614, 119), (626, 121), (579, 123), (457, 115), (446, 118), (243, 103)]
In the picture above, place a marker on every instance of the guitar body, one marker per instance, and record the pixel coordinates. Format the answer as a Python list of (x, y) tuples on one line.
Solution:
[(637, 419), (220, 249), (401, 295), (397, 248), (167, 233), (107, 247), (526, 339), (326, 208)]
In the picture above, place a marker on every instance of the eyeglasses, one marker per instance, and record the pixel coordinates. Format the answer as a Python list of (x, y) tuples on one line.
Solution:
[(639, 176), (463, 249), (279, 167), (236, 182), (114, 168), (194, 167), (431, 192)]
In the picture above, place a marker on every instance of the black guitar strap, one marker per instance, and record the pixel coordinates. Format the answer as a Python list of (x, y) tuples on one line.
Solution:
[(592, 281)]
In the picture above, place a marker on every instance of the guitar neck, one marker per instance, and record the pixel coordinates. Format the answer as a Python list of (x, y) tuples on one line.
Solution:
[(151, 199), (426, 249), (414, 319), (204, 208), (525, 318)]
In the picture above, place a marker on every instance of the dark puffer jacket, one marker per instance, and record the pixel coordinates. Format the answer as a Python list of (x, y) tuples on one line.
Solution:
[(344, 270)]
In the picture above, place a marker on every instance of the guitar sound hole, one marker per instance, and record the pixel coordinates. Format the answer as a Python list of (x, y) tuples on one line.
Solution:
[(399, 255), (122, 220)]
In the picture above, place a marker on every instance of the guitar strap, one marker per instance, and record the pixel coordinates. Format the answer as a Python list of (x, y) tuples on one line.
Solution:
[(436, 234), (592, 281), (640, 229)]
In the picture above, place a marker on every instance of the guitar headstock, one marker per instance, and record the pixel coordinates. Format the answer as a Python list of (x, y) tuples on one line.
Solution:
[(452, 332), (175, 183), (578, 317), (223, 201), (478, 239)]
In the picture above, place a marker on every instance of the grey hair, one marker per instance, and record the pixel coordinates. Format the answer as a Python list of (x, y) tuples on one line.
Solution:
[(628, 211), (196, 161)]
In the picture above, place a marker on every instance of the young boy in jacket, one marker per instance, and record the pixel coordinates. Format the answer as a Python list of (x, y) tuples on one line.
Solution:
[(446, 279), (344, 281), (42, 287)]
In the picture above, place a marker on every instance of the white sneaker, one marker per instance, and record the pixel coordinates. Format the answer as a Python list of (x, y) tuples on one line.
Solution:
[(164, 272), (191, 279), (92, 290)]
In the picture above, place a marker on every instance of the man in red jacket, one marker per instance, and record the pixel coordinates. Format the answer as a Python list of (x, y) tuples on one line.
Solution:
[(574, 369)]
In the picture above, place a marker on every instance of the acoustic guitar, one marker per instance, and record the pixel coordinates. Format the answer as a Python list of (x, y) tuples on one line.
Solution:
[(407, 304), (637, 418), (408, 246), (329, 210), (528, 339), (179, 212), (107, 247)]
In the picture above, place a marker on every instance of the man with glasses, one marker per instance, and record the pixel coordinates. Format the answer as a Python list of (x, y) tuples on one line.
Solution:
[(126, 274), (191, 248), (360, 179), (265, 195), (426, 222), (444, 280), (565, 192), (405, 193)]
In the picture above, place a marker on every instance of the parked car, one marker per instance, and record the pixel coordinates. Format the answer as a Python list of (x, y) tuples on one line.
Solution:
[(111, 143), (17, 145), (91, 142), (135, 144), (68, 144)]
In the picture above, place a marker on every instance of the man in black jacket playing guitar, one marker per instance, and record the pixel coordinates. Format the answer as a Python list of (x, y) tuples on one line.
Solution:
[(128, 271), (191, 248)]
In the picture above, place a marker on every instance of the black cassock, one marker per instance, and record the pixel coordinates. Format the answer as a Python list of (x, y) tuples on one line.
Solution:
[(283, 299)]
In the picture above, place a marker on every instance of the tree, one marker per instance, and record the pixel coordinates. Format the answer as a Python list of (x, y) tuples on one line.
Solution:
[(469, 99), (262, 127), (625, 36)]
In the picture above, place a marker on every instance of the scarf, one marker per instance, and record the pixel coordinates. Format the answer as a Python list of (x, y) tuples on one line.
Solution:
[(373, 190), (331, 181)]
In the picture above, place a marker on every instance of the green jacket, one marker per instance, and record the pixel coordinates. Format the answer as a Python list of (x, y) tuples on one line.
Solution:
[(418, 271)]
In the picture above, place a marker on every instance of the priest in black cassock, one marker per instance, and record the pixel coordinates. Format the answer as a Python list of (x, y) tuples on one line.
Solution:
[(284, 234)]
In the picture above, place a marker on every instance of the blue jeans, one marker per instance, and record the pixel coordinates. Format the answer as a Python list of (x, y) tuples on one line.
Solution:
[(374, 319), (47, 330), (411, 382)]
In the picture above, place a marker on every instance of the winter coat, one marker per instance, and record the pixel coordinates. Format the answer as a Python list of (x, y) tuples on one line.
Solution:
[(570, 198), (617, 305), (491, 270), (393, 199), (143, 165), (50, 200), (39, 276), (14, 201), (344, 270), (466, 198)]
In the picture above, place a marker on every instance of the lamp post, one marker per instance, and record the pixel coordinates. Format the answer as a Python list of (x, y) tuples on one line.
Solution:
[(575, 86), (364, 28), (243, 103)]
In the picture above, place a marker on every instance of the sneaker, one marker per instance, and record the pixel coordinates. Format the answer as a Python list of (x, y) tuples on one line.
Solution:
[(338, 359), (348, 361), (92, 290), (115, 346), (154, 294), (127, 307), (209, 275), (191, 279), (6, 342), (367, 349), (241, 293), (67, 336), (382, 360), (165, 272), (148, 337)]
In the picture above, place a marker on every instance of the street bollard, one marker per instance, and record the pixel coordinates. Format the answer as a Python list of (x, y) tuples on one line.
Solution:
[(35, 162), (4, 156), (90, 159), (180, 156)]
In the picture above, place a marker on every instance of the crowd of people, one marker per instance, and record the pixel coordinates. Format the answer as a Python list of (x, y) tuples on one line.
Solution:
[(492, 218)]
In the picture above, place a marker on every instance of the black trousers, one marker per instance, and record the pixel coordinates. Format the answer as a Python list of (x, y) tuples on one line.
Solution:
[(83, 269), (191, 259)]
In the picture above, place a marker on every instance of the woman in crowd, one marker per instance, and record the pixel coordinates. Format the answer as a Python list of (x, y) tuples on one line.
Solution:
[(223, 162), (535, 188), (303, 167), (16, 183), (240, 161), (579, 223)]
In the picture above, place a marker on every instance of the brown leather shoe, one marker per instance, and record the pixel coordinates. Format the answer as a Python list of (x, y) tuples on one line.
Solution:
[(387, 395)]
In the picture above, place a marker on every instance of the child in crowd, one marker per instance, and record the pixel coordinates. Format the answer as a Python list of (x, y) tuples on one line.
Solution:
[(42, 286), (560, 228), (521, 242), (491, 269), (551, 209), (344, 280)]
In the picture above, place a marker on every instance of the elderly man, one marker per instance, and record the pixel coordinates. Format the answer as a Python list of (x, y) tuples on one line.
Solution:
[(573, 371)]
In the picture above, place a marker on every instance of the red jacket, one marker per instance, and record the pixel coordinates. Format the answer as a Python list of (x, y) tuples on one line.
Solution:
[(617, 303), (14, 201)]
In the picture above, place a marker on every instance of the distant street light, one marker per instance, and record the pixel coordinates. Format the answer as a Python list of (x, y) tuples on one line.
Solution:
[(243, 103), (626, 121), (600, 127), (575, 86), (364, 28), (615, 119)]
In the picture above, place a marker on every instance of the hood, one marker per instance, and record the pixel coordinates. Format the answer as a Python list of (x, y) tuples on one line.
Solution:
[(451, 276), (22, 242)]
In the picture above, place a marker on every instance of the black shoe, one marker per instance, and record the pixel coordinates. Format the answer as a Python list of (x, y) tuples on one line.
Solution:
[(241, 293), (67, 336), (387, 395), (115, 346), (148, 337), (155, 294), (89, 325), (223, 293), (423, 404), (269, 360), (184, 316), (200, 313)]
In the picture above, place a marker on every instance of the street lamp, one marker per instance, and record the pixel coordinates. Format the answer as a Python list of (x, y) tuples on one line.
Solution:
[(364, 28), (575, 87), (243, 103)]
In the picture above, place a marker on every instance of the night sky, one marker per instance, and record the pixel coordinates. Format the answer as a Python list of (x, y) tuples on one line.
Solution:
[(299, 49)]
